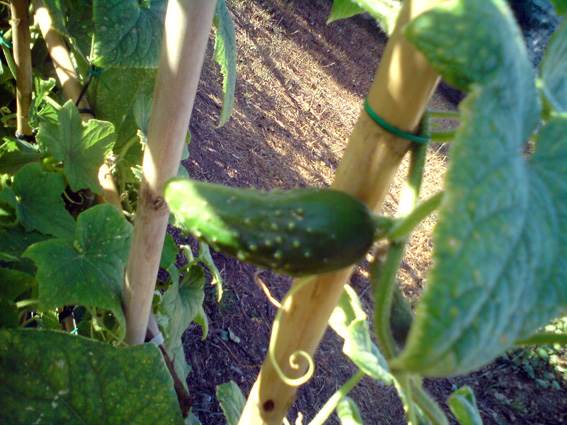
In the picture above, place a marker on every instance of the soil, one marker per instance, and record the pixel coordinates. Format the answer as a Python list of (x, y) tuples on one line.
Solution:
[(300, 87)]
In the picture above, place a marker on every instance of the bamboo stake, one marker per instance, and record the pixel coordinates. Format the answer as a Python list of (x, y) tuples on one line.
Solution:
[(187, 27), (22, 58), (72, 86), (402, 87)]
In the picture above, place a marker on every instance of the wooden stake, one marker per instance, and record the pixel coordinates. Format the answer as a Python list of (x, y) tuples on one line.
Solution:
[(22, 59), (402, 87), (187, 27)]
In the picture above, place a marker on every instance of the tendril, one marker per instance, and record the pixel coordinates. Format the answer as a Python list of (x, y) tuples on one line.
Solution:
[(294, 356)]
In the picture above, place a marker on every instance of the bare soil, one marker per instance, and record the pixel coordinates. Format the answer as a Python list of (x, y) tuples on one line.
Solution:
[(300, 88)]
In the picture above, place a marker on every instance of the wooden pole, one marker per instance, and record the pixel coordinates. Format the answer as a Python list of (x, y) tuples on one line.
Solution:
[(187, 27), (402, 87), (22, 59)]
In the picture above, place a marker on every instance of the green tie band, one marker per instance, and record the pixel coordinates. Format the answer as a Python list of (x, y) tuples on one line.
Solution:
[(392, 129)]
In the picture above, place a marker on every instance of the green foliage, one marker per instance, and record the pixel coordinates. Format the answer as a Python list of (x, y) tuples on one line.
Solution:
[(126, 34), (81, 147), (53, 377), (88, 270), (500, 228), (348, 412), (350, 322), (36, 197), (384, 11), (231, 401), (463, 405), (560, 7), (181, 304), (225, 56), (553, 69)]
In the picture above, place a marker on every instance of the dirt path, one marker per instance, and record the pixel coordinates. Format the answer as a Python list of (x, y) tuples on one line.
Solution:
[(300, 88)]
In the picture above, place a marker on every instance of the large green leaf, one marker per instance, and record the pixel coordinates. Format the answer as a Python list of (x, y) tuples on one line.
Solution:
[(13, 242), (225, 56), (36, 196), (560, 7), (499, 271), (54, 378), (88, 271), (553, 70), (127, 34), (13, 283), (114, 98), (82, 147), (231, 401), (350, 321), (384, 11), (12, 162)]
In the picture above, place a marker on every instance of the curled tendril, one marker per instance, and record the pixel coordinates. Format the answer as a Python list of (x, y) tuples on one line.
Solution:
[(294, 356)]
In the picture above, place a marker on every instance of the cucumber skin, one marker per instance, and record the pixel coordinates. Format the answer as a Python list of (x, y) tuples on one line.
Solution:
[(298, 232)]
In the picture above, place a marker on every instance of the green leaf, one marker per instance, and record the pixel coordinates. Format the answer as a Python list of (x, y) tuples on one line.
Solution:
[(553, 71), (116, 104), (348, 412), (13, 242), (560, 7), (501, 240), (82, 147), (207, 259), (42, 89), (54, 378), (12, 162), (231, 401), (88, 271), (350, 321), (9, 317), (169, 258), (8, 216), (225, 56), (127, 35), (36, 196), (181, 304), (463, 405), (384, 11), (142, 111), (13, 283)]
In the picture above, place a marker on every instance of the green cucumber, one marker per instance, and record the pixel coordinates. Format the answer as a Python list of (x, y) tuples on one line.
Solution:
[(298, 232)]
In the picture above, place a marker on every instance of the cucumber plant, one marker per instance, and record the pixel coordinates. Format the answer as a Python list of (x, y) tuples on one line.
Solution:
[(500, 243)]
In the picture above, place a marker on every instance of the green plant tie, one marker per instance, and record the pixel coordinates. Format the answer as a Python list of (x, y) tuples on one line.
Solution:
[(392, 129), (4, 42), (97, 73)]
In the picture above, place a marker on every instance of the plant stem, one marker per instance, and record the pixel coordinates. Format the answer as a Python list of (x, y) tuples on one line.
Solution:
[(187, 27), (444, 114), (427, 405), (366, 171), (544, 338), (22, 58), (383, 279), (332, 402), (402, 228), (442, 136)]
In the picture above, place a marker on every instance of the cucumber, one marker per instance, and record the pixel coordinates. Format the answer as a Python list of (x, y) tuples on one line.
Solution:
[(298, 232)]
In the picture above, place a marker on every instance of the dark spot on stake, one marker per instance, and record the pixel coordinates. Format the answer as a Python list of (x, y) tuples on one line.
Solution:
[(269, 405)]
